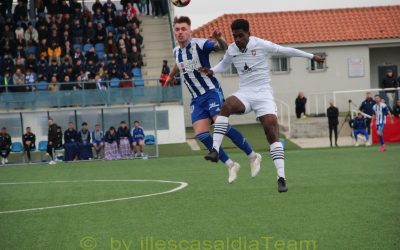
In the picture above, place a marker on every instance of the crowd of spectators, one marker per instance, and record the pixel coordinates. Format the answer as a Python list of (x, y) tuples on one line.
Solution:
[(68, 42)]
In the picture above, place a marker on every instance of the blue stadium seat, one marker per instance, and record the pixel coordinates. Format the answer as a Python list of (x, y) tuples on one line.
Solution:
[(42, 146), (31, 50), (110, 28), (87, 47), (42, 86), (114, 83), (149, 140), (100, 54), (16, 147), (136, 72), (77, 46), (99, 47), (139, 82)]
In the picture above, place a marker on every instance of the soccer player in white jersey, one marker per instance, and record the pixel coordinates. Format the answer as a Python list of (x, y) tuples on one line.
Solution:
[(191, 54), (381, 110), (250, 56)]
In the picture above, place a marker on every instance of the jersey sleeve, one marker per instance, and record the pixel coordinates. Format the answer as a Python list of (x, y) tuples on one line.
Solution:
[(271, 47), (223, 65), (208, 46)]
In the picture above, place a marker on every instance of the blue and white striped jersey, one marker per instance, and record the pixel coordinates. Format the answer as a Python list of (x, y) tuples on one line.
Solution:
[(381, 111), (189, 59)]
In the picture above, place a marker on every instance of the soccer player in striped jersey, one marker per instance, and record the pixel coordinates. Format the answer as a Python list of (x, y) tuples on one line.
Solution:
[(250, 55), (381, 110), (191, 54)]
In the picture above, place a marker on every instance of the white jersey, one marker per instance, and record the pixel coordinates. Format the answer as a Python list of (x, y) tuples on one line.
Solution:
[(252, 63)]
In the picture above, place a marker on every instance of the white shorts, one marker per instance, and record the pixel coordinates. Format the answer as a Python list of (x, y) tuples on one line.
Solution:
[(260, 101)]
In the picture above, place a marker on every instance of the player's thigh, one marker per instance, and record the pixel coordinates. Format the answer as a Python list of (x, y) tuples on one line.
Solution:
[(263, 103), (141, 143), (234, 104), (134, 143)]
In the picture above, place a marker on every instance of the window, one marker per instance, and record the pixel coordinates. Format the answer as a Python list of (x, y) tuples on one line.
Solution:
[(280, 64), (316, 66), (232, 71)]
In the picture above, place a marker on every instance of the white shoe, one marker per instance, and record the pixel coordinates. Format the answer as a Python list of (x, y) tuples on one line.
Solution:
[(3, 161), (255, 165), (6, 160), (232, 171), (368, 144), (52, 162), (356, 144)]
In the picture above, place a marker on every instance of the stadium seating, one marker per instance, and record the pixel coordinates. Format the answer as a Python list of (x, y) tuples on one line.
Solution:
[(17, 147), (87, 47), (114, 83), (99, 47), (136, 72), (149, 140), (42, 146)]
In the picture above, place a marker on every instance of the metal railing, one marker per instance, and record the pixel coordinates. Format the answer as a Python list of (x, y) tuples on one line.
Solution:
[(84, 94), (284, 115)]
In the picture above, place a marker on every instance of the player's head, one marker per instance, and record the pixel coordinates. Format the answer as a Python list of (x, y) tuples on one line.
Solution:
[(389, 72), (182, 29), (112, 130), (241, 32), (122, 124), (378, 98), (136, 123), (84, 125), (70, 125), (28, 129)]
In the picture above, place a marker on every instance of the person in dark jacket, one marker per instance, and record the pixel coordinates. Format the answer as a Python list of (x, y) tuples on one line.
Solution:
[(300, 102), (71, 143), (390, 82), (124, 140), (333, 121), (51, 139), (29, 140), (111, 151), (85, 147), (358, 124), (5, 145), (366, 107), (396, 109)]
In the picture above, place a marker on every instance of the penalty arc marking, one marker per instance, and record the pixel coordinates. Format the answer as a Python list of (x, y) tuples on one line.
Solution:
[(181, 186)]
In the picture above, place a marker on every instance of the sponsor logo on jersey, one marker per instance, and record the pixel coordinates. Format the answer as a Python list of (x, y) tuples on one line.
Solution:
[(253, 52), (213, 105)]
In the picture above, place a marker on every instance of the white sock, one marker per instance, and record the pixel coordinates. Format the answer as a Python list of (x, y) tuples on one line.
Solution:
[(252, 155), (278, 156), (220, 127), (229, 163)]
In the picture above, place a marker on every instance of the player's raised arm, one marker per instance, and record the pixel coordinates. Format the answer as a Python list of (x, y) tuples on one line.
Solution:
[(221, 43), (291, 52), (221, 67), (171, 77)]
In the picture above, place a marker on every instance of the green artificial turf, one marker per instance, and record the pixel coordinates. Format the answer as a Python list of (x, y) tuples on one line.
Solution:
[(346, 198)]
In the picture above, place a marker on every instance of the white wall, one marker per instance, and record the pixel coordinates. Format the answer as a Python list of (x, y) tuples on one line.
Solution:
[(176, 132)]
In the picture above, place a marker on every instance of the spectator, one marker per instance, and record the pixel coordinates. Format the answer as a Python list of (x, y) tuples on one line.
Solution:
[(112, 69), (85, 147), (78, 55), (20, 12), (53, 86), (31, 35), (43, 48), (124, 140), (333, 121), (158, 8), (71, 143), (43, 32), (109, 15), (358, 124), (52, 8), (131, 13), (366, 107), (90, 33), (19, 81), (75, 7), (54, 51), (390, 82), (66, 37), (110, 48), (100, 33), (67, 49), (97, 5), (126, 81), (77, 32), (42, 70), (164, 73), (98, 140), (109, 4), (52, 140), (98, 17), (31, 62), (92, 55), (30, 79), (29, 140), (396, 109), (67, 84), (54, 68), (64, 7), (137, 134), (5, 145), (6, 81), (125, 67), (7, 64), (300, 102), (111, 151)]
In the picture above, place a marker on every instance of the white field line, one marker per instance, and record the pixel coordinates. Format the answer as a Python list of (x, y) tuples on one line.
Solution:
[(182, 185)]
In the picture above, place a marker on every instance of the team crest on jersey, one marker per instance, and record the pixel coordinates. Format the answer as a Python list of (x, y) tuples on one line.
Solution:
[(253, 52)]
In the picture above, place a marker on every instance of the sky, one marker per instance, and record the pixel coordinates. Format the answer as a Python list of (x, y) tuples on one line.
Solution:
[(203, 11)]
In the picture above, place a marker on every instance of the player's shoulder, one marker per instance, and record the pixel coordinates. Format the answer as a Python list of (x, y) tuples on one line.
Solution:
[(199, 41)]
